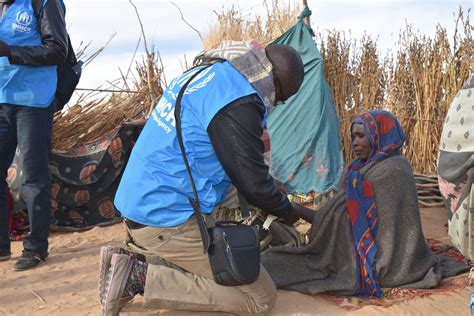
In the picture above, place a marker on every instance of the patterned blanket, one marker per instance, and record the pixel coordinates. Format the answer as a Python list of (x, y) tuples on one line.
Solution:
[(403, 258), (84, 181), (456, 168)]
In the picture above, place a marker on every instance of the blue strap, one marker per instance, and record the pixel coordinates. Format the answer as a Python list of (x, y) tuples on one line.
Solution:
[(40, 15)]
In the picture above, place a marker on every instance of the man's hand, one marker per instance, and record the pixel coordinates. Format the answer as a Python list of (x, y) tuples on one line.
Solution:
[(298, 211), (292, 216), (306, 213), (4, 49)]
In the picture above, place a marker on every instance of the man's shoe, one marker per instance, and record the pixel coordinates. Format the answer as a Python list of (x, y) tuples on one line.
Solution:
[(104, 264), (115, 281), (5, 254), (30, 259)]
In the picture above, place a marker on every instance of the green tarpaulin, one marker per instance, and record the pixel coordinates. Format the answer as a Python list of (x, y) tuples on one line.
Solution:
[(304, 133)]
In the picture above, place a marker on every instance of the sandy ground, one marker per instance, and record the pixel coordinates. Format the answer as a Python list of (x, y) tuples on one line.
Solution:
[(67, 283)]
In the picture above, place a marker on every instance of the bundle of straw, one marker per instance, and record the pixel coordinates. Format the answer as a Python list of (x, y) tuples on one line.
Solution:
[(86, 122)]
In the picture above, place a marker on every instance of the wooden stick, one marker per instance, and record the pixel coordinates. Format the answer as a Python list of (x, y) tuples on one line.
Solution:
[(306, 19), (38, 296), (108, 90), (148, 72), (425, 180), (429, 205), (427, 185), (129, 70), (187, 23), (431, 198), (429, 192)]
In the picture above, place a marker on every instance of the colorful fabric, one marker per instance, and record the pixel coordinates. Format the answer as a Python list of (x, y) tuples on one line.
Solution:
[(250, 60), (386, 137), (84, 181), (10, 207), (458, 129), (393, 296), (456, 168), (327, 262), (305, 136), (18, 223), (136, 280), (20, 226)]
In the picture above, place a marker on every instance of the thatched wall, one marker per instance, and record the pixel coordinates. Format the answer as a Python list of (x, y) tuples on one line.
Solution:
[(416, 83)]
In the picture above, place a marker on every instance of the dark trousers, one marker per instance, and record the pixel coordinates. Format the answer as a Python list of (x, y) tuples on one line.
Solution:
[(28, 128)]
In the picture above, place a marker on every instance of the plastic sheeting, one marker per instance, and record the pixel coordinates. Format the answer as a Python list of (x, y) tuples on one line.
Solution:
[(304, 132)]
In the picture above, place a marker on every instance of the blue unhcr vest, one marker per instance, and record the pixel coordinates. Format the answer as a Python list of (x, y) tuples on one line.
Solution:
[(154, 188), (21, 84)]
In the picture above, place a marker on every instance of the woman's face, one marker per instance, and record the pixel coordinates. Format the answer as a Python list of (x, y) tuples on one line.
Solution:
[(360, 142)]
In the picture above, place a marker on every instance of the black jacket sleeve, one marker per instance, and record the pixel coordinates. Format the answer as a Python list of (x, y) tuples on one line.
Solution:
[(52, 28), (235, 133)]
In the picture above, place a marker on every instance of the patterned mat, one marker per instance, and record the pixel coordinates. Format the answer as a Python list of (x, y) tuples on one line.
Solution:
[(397, 295)]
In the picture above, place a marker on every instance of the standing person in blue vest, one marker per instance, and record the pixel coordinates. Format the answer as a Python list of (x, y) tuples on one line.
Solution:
[(33, 39), (223, 113)]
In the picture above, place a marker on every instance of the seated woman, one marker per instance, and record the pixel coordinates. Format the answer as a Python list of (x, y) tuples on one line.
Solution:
[(369, 235), (456, 168)]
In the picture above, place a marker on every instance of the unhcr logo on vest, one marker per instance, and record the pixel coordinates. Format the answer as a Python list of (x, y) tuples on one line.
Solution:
[(163, 113), (164, 110), (23, 22)]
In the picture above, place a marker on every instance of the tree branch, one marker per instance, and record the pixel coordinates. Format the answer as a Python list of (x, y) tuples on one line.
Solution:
[(182, 18)]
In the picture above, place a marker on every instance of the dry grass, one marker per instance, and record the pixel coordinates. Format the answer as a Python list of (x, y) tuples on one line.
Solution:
[(87, 121), (234, 25), (96, 114), (417, 83)]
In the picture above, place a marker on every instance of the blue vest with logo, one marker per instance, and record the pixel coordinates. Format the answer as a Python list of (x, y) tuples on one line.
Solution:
[(22, 84), (155, 187)]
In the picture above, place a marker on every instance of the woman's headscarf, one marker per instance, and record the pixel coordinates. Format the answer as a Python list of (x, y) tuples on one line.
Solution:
[(386, 137)]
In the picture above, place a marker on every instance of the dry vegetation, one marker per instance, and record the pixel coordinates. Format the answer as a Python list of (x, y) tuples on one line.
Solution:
[(133, 98), (233, 24), (87, 121), (416, 83)]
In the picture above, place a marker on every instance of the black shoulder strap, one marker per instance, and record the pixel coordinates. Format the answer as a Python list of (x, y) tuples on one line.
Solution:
[(37, 7), (194, 201), (244, 207)]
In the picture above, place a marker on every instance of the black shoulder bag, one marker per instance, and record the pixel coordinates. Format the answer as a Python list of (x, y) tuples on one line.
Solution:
[(233, 248), (69, 73)]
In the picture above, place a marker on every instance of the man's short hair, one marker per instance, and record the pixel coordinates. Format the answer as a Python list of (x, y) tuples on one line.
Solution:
[(287, 67)]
